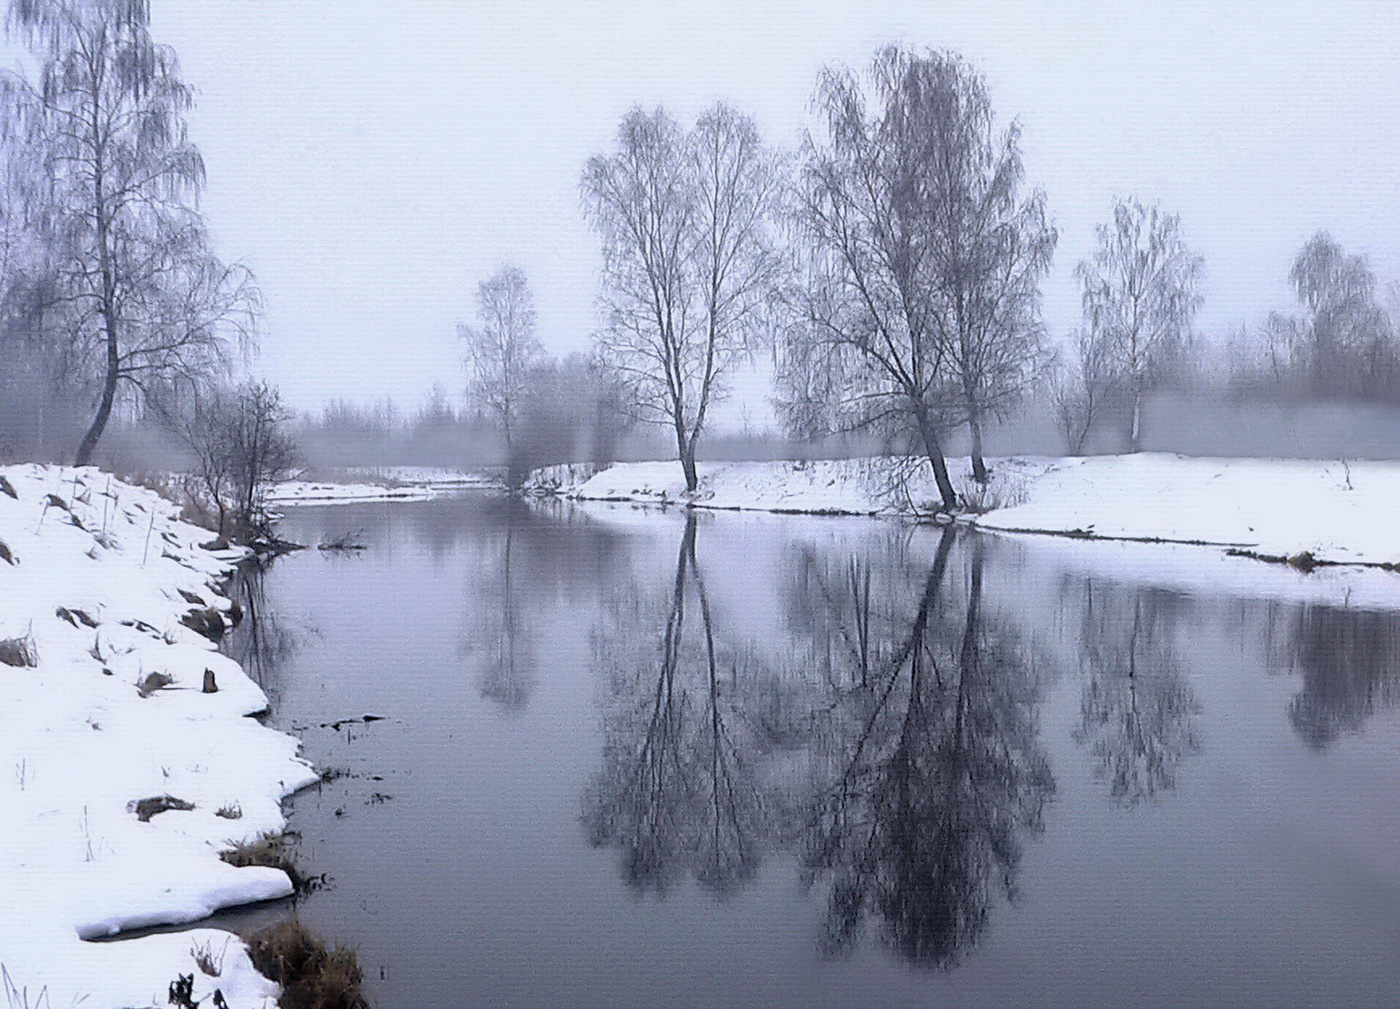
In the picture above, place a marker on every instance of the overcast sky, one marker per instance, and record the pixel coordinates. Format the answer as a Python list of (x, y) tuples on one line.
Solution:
[(373, 160)]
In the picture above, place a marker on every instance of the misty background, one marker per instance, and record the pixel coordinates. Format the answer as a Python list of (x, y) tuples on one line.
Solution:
[(371, 164)]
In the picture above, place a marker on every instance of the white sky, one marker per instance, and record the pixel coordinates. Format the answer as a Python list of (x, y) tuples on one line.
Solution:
[(373, 160)]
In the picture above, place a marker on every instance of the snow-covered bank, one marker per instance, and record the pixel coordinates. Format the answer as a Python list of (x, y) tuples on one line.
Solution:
[(384, 483), (875, 486), (1339, 512), (102, 705)]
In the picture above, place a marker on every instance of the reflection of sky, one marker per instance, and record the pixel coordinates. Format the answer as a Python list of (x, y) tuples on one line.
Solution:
[(372, 161)]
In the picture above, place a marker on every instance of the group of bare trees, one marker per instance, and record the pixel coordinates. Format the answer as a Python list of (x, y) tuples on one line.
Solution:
[(548, 411), (892, 269), (1342, 344), (893, 266)]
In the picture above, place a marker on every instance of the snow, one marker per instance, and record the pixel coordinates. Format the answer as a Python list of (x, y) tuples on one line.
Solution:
[(819, 486), (379, 483), (80, 745), (1340, 512)]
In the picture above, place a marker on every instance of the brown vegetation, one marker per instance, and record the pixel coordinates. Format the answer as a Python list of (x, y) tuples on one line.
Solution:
[(312, 975)]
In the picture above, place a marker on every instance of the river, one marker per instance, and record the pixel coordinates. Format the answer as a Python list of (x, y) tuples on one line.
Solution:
[(632, 758)]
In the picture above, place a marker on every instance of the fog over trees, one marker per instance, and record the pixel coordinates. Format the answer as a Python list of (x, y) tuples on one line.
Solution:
[(113, 303), (1140, 291)]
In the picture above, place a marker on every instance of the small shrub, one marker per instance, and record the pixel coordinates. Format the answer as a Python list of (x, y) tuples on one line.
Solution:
[(1305, 561), (209, 962), (312, 975), (271, 850), (147, 808), (233, 811)]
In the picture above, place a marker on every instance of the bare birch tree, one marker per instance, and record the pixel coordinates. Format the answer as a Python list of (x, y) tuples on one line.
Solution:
[(1140, 293), (990, 246), (688, 259), (135, 297), (502, 348), (870, 349)]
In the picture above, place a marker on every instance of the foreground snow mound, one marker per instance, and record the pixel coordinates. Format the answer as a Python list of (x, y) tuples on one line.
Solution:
[(121, 779), (1337, 512)]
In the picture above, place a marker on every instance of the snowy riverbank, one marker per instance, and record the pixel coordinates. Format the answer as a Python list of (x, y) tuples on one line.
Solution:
[(1337, 512), (379, 483), (103, 705)]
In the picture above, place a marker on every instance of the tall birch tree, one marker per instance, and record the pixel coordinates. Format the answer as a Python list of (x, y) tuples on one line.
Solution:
[(685, 218), (1141, 292), (132, 292)]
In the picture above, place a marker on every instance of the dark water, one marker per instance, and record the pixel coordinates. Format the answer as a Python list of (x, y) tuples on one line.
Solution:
[(630, 759)]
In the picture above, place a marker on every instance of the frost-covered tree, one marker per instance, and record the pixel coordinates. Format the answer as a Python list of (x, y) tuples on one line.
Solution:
[(689, 266), (129, 291), (1140, 293)]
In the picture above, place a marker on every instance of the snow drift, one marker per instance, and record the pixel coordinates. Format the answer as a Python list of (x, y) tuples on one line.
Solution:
[(103, 704)]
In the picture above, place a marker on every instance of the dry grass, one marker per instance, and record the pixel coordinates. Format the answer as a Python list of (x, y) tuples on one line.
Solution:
[(272, 851), (155, 805), (312, 975), (265, 849), (152, 682)]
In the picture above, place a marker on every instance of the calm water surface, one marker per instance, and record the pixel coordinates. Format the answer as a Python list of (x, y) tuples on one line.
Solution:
[(634, 759)]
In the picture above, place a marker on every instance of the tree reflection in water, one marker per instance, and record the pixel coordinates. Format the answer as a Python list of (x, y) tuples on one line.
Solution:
[(677, 792), (1137, 713), (262, 642), (1350, 663), (940, 778), (498, 638), (911, 714)]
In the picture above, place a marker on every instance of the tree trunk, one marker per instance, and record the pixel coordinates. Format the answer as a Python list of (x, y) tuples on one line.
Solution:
[(933, 448), (692, 479), (979, 465), (1135, 434), (109, 394), (685, 451)]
